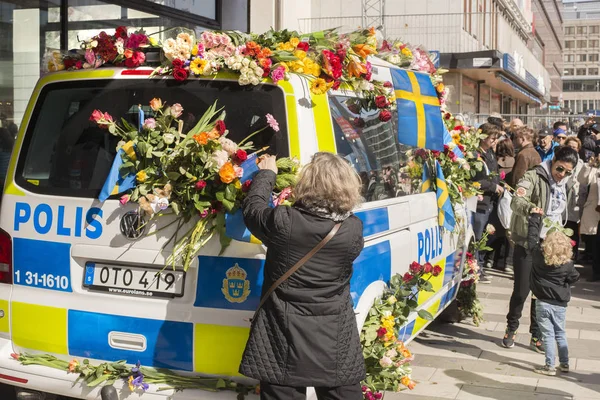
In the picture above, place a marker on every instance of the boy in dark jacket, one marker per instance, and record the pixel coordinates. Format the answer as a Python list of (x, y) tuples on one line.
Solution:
[(552, 274)]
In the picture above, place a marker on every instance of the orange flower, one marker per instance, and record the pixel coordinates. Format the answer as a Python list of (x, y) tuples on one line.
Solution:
[(265, 53), (356, 68), (201, 138), (128, 53), (227, 173), (440, 88), (406, 353), (213, 134), (253, 48), (363, 50), (73, 365), (411, 385), (372, 31)]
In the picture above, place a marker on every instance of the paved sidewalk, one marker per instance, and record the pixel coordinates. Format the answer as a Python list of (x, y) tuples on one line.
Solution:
[(461, 361)]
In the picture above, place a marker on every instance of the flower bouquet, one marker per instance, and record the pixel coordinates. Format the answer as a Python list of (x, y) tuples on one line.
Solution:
[(386, 357), (467, 300), (196, 176)]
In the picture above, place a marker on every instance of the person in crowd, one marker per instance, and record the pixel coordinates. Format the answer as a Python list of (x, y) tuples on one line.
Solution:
[(497, 120), (587, 135), (546, 145), (497, 258), (527, 157), (560, 132), (542, 189), (489, 180), (552, 274), (577, 198), (296, 336), (515, 124), (590, 217)]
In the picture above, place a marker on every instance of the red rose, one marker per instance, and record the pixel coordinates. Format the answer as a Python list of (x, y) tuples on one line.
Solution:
[(469, 255), (241, 155), (121, 32), (435, 153), (381, 102), (414, 268), (180, 74), (129, 63), (436, 270), (407, 277), (220, 127), (336, 85), (385, 116), (354, 108), (427, 268), (446, 148), (79, 65), (177, 63), (201, 184), (388, 84), (448, 116), (359, 122), (246, 185), (303, 46), (381, 332), (461, 147), (138, 57)]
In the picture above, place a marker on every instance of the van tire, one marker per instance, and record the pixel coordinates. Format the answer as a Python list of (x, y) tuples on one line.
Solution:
[(451, 314)]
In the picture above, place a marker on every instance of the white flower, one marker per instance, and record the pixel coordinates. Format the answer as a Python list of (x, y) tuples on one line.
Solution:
[(245, 62), (220, 157), (228, 145), (391, 353), (387, 313), (385, 362), (119, 44), (253, 64), (254, 80), (391, 300), (245, 70), (168, 138), (490, 229), (451, 145), (395, 59), (237, 66), (243, 80), (365, 85), (259, 72)]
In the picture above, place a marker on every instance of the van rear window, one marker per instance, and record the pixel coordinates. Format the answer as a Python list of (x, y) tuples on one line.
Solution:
[(65, 154)]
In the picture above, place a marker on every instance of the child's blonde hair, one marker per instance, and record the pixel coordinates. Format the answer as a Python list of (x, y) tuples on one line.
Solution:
[(557, 249)]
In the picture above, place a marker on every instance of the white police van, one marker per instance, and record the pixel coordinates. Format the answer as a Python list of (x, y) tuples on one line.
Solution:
[(75, 281)]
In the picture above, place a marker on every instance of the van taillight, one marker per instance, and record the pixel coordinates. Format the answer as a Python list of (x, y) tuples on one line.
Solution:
[(5, 257)]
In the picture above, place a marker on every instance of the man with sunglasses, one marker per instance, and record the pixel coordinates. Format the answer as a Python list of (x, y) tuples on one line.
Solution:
[(560, 132), (544, 190), (546, 144)]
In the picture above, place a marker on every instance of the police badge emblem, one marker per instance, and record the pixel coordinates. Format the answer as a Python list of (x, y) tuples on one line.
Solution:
[(236, 287)]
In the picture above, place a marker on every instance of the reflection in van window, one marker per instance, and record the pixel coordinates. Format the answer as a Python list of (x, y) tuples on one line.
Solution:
[(372, 147), (66, 154)]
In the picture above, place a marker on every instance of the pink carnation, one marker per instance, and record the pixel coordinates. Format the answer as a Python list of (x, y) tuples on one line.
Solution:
[(278, 74)]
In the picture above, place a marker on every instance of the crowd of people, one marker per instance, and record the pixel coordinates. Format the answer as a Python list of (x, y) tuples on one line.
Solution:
[(551, 180)]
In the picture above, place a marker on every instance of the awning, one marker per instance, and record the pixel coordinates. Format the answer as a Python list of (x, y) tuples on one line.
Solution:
[(519, 88)]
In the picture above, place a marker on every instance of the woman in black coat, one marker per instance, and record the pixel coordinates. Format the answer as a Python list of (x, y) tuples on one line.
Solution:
[(306, 334)]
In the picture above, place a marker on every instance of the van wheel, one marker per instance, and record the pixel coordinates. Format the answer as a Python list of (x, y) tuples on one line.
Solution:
[(451, 314)]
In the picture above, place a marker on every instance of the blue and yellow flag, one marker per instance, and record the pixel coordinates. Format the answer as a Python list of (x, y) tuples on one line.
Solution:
[(448, 139), (419, 116), (115, 183), (446, 217)]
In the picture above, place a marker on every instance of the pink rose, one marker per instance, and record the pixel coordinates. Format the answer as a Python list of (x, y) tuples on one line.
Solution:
[(149, 124), (239, 171), (278, 74), (201, 184), (124, 199), (176, 110), (96, 116), (502, 175)]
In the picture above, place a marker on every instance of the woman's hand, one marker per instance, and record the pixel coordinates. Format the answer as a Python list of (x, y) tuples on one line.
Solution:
[(268, 162), (537, 210)]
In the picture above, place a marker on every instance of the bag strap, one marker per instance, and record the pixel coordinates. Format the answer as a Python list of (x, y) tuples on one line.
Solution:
[(297, 266)]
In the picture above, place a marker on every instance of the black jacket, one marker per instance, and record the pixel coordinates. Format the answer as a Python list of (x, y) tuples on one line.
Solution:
[(589, 148), (549, 283), (488, 181), (306, 332)]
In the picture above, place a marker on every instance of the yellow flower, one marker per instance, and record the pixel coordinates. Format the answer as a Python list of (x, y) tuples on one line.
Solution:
[(227, 173), (406, 51), (477, 185), (316, 70), (128, 149), (141, 176), (295, 41), (297, 66), (195, 50), (279, 46), (237, 184), (153, 41), (320, 86), (198, 65), (130, 383), (440, 88), (300, 54)]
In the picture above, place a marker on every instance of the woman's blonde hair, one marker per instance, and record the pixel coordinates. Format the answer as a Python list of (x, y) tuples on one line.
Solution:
[(573, 139), (329, 182), (557, 249)]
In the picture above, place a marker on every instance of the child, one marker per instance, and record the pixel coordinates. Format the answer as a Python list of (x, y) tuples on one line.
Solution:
[(552, 274)]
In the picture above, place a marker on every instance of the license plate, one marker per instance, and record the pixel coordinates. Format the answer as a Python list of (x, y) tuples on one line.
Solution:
[(133, 281)]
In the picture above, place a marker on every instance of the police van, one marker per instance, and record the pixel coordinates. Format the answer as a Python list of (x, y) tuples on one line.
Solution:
[(76, 279)]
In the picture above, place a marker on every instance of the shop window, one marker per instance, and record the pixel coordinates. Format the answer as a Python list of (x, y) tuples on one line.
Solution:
[(582, 30), (569, 30), (569, 44), (581, 71), (581, 57), (581, 44), (204, 8)]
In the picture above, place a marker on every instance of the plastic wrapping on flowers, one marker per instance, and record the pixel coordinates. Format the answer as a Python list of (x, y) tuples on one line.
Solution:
[(387, 359)]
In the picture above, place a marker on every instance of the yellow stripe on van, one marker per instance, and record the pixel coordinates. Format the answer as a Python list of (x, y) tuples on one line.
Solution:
[(10, 187), (323, 124), (437, 282), (218, 349), (292, 114), (4, 320), (39, 328)]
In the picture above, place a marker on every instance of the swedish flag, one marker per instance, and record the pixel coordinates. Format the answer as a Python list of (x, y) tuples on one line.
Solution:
[(446, 217), (115, 183), (419, 116)]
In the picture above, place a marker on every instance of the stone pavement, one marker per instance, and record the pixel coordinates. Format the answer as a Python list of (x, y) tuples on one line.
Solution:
[(461, 361)]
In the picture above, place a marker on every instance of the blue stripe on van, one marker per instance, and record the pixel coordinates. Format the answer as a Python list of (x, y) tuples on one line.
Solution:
[(405, 332), (169, 344), (42, 264), (217, 290), (373, 264), (449, 269), (374, 221), (448, 297)]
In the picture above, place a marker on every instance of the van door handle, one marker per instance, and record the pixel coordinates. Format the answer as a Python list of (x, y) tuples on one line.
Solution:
[(127, 341)]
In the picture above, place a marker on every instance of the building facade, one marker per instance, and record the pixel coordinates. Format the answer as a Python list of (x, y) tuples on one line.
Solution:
[(28, 28), (490, 47), (581, 78)]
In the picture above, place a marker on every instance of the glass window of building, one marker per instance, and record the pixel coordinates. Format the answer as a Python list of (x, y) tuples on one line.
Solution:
[(582, 30), (204, 8), (569, 57), (581, 44), (569, 30), (569, 72), (593, 44), (581, 71), (581, 57), (593, 57), (569, 44), (594, 29), (592, 71)]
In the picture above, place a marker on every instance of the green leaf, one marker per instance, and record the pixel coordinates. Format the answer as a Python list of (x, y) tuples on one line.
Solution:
[(175, 206), (221, 384), (231, 192), (172, 175), (149, 152), (426, 315), (99, 380), (229, 205), (426, 286), (220, 196)]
